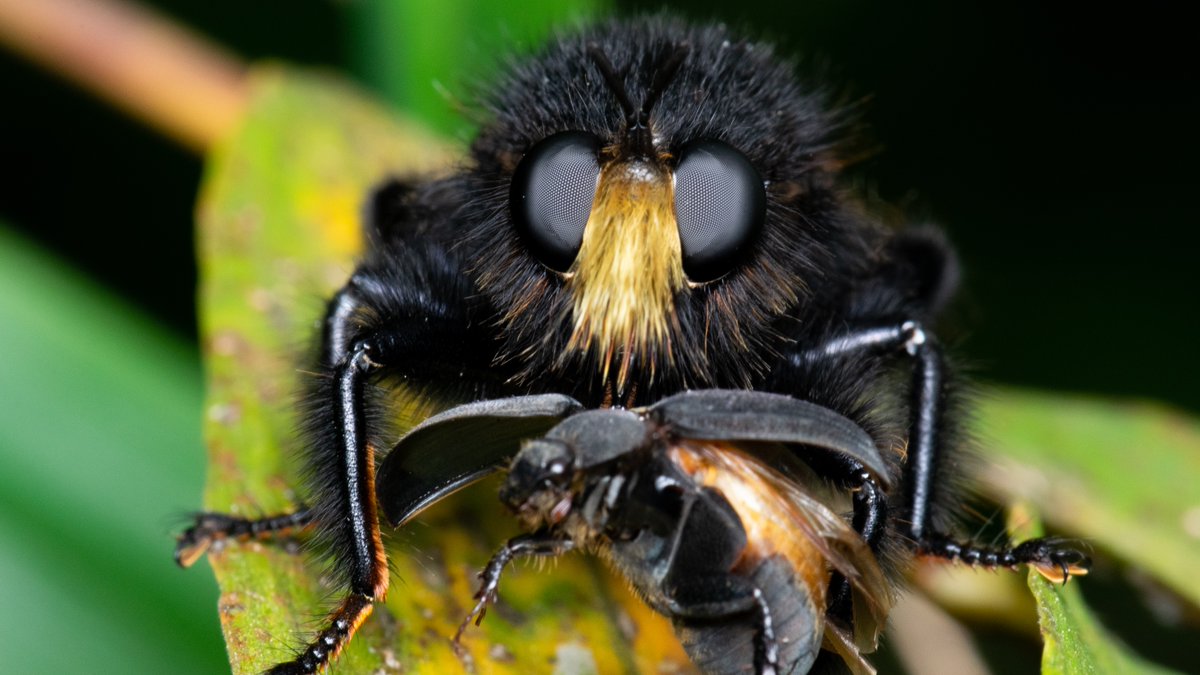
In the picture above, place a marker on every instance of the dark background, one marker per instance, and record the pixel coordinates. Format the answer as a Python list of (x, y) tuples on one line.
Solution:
[(1057, 145)]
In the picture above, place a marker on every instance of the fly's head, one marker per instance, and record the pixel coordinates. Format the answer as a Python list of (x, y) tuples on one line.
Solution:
[(659, 197)]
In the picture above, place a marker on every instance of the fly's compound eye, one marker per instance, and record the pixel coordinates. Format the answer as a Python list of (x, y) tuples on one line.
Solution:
[(720, 204), (552, 193)]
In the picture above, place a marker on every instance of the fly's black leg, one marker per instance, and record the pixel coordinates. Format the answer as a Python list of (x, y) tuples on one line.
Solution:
[(341, 626), (211, 528), (1050, 557), (928, 403), (404, 315), (349, 488), (537, 544), (870, 512), (1056, 560), (337, 328), (361, 555), (870, 517), (348, 491)]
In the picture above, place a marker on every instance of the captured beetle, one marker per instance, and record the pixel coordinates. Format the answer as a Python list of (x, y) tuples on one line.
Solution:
[(653, 207), (705, 501)]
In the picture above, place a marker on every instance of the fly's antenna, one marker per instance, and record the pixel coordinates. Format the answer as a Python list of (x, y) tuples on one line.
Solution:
[(615, 82), (637, 121), (663, 75)]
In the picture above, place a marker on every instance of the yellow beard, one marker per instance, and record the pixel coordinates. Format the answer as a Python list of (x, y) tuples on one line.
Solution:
[(628, 270)]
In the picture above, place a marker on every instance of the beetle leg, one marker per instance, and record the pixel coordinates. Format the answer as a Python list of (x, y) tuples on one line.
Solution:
[(766, 659), (699, 583), (210, 528), (722, 596), (539, 544)]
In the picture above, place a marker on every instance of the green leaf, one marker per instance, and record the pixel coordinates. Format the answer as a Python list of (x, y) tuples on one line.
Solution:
[(99, 450), (278, 232), (406, 49), (1074, 642), (1119, 475)]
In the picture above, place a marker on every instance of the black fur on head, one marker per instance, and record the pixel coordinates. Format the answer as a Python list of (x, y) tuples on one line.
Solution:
[(723, 87)]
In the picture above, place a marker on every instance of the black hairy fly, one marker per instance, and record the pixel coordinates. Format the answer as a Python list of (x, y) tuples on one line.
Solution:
[(652, 208)]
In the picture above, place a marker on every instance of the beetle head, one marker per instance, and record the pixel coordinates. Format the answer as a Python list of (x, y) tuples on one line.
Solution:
[(538, 487)]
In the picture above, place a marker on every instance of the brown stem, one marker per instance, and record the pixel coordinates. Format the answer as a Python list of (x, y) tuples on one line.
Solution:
[(171, 78)]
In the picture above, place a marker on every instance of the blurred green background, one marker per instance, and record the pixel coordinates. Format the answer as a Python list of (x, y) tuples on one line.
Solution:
[(1056, 144)]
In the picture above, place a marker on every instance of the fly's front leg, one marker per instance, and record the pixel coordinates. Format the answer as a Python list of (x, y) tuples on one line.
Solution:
[(1054, 559), (346, 509), (350, 512), (405, 315), (212, 528), (925, 439), (375, 328), (927, 405), (870, 503)]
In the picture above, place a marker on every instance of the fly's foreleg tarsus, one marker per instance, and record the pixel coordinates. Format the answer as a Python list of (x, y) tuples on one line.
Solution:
[(1055, 559)]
